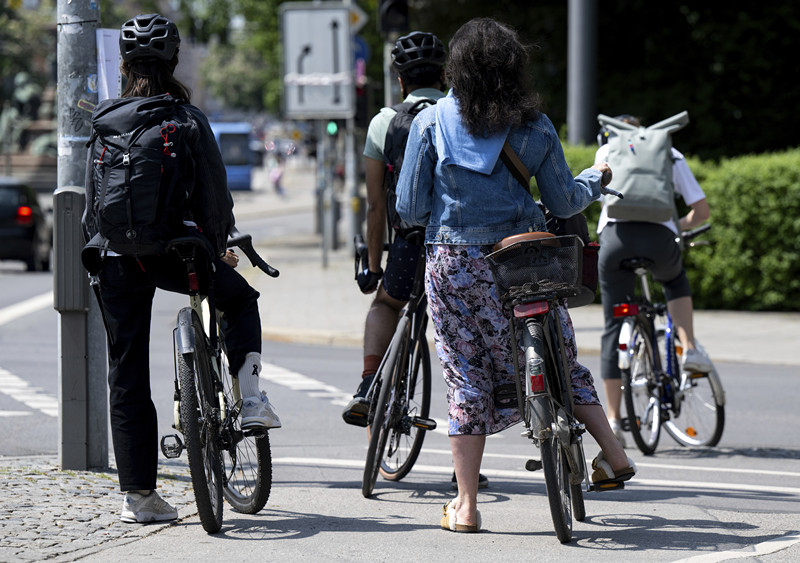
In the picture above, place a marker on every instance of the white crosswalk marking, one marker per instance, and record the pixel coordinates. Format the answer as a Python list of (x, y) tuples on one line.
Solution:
[(20, 390)]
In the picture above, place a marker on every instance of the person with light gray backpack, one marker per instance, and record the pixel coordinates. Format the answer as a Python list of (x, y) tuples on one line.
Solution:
[(649, 172)]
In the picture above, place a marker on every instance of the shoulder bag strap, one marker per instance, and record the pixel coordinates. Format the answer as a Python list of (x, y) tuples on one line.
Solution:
[(515, 166)]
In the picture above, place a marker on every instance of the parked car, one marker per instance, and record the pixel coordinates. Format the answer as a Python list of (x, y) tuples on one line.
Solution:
[(25, 232)]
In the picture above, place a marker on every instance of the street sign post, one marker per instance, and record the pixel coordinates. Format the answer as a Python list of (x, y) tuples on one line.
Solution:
[(317, 61)]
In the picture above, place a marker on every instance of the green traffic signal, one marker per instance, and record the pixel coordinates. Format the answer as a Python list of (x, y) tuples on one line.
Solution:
[(333, 128)]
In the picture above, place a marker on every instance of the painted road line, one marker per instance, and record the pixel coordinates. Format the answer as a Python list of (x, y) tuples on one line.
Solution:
[(753, 551), (14, 312), (21, 391)]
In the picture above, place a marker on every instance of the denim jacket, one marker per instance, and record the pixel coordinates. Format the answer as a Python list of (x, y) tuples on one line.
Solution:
[(459, 205)]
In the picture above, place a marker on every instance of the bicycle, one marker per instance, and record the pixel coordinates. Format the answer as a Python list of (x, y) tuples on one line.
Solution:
[(400, 393), (533, 274), (658, 393), (224, 459)]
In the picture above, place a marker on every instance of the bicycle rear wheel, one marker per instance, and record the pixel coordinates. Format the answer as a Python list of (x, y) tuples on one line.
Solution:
[(246, 455), (378, 428), (200, 422), (412, 399), (559, 489), (642, 391), (699, 413)]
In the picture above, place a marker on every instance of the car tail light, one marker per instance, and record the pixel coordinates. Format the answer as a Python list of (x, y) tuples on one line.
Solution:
[(626, 310), (531, 309), (24, 215)]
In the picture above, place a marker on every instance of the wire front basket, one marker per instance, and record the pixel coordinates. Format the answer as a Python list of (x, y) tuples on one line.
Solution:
[(550, 266)]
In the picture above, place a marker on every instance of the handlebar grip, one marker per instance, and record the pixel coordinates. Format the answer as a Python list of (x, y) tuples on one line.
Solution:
[(245, 243), (608, 191)]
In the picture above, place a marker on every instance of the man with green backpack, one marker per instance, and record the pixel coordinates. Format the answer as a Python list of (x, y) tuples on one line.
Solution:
[(648, 171)]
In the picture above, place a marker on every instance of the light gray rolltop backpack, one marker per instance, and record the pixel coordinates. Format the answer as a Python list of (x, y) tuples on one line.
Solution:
[(641, 163)]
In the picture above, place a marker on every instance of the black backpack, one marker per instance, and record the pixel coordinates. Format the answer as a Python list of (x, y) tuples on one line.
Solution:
[(394, 148), (138, 191)]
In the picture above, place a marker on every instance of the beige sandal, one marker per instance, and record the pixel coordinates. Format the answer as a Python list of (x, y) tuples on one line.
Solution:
[(604, 474), (448, 521)]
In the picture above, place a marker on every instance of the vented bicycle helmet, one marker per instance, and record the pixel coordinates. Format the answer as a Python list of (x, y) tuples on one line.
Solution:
[(417, 49), (148, 36)]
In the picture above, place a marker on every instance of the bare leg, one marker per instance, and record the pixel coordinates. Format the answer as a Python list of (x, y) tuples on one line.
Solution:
[(467, 455), (594, 418), (380, 324), (613, 389), (681, 311)]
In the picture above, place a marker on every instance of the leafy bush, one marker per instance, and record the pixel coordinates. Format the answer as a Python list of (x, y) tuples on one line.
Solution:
[(753, 261)]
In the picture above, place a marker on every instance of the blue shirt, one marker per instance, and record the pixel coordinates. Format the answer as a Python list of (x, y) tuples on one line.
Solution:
[(468, 196)]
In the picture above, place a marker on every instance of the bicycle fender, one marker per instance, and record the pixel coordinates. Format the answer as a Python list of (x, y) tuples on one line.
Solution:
[(184, 333), (624, 356), (541, 417)]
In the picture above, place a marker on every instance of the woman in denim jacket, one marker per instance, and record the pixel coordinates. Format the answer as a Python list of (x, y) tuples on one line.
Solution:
[(454, 184)]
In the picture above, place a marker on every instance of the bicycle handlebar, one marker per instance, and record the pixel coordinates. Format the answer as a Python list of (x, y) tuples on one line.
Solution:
[(608, 191), (245, 244), (689, 235)]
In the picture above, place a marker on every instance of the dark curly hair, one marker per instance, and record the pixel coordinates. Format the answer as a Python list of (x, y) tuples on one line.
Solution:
[(488, 71)]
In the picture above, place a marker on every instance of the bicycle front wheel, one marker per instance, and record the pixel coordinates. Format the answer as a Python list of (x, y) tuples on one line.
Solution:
[(199, 414), (559, 489), (246, 455), (412, 399), (699, 411), (642, 391)]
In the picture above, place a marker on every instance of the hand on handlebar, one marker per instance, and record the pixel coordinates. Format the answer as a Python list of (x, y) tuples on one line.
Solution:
[(230, 258), (368, 280)]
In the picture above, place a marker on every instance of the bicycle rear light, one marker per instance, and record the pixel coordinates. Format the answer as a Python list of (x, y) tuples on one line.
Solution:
[(531, 309), (626, 310)]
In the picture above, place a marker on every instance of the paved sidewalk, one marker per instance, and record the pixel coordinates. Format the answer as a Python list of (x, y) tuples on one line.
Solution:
[(46, 513)]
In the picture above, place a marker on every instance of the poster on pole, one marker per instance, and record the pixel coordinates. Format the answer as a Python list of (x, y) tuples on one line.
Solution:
[(109, 77)]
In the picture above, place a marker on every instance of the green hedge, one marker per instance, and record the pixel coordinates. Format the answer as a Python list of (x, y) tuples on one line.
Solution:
[(753, 262)]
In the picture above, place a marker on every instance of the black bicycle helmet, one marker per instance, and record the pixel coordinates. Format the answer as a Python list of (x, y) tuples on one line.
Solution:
[(417, 49), (148, 36)]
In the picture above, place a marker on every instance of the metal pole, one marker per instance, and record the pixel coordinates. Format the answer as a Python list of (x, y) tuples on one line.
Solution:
[(582, 71), (83, 433)]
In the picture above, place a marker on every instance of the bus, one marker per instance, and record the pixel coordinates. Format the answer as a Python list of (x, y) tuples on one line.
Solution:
[(235, 141)]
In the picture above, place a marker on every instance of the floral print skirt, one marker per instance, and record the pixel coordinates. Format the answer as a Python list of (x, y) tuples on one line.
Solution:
[(473, 340)]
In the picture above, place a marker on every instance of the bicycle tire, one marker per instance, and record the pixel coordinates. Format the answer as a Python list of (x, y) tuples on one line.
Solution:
[(699, 415), (246, 456), (578, 506), (377, 429), (413, 393), (556, 479), (199, 424), (642, 391)]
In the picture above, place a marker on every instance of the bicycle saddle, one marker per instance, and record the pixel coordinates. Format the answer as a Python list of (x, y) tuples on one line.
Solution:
[(521, 237), (634, 264)]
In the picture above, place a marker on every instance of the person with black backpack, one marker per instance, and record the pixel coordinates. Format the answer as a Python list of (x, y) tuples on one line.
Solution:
[(154, 173), (418, 58)]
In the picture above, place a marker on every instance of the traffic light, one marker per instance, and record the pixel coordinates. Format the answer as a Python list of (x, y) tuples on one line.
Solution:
[(333, 128), (393, 16)]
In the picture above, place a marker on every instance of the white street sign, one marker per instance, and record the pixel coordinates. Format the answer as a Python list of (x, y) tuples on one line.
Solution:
[(317, 61)]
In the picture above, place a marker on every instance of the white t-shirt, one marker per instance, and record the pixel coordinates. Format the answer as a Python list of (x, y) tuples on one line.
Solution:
[(684, 181)]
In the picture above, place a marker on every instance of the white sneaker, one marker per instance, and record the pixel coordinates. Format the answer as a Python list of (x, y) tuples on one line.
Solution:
[(257, 411), (139, 508), (696, 361), (616, 428)]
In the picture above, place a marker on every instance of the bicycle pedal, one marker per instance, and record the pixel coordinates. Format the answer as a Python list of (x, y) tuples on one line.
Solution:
[(171, 446), (355, 418), (424, 423), (600, 487), (533, 465)]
